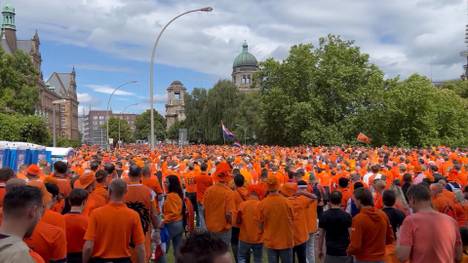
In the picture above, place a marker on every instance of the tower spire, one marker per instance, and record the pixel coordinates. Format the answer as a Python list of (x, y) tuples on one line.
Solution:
[(8, 26)]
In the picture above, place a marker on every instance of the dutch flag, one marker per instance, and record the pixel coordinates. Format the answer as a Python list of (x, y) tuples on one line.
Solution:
[(227, 134)]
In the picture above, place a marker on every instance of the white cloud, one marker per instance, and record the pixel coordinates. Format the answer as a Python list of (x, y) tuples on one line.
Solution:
[(102, 68), (106, 89), (84, 97), (402, 36)]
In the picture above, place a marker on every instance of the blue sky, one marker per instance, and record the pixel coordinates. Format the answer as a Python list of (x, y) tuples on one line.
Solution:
[(109, 41)]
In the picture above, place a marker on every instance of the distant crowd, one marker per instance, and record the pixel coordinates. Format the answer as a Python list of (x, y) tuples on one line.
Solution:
[(225, 204)]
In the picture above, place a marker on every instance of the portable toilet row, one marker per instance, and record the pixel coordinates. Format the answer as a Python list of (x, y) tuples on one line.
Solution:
[(15, 154)]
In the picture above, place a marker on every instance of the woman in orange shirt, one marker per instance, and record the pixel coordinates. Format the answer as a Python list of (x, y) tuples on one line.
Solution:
[(173, 211)]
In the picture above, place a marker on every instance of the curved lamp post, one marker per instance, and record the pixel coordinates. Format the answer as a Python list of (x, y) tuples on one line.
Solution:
[(153, 53), (108, 105)]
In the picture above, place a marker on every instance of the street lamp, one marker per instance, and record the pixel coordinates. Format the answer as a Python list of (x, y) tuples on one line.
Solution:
[(121, 113), (107, 109), (153, 53), (54, 135)]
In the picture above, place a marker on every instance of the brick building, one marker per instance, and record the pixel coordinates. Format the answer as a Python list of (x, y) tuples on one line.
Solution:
[(94, 125), (59, 86)]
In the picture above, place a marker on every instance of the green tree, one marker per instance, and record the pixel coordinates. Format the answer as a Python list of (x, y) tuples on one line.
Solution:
[(16, 127), (311, 96), (205, 110), (173, 132), (64, 142), (126, 134), (18, 80), (143, 126), (460, 87)]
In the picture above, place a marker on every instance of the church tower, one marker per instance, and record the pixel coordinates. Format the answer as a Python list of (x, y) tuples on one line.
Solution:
[(9, 27), (243, 70), (175, 106)]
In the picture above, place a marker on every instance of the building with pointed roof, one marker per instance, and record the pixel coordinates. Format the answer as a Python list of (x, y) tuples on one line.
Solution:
[(60, 86), (243, 69)]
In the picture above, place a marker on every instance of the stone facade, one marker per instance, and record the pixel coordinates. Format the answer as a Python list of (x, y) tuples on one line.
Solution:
[(175, 106), (60, 86)]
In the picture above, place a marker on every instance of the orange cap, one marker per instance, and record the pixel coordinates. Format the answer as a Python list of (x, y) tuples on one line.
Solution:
[(33, 169), (85, 180)]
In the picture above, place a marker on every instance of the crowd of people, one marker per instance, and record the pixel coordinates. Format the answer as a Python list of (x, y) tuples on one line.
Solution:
[(201, 203)]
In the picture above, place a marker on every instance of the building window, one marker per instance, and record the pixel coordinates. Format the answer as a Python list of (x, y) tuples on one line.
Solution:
[(95, 117), (177, 96), (101, 117)]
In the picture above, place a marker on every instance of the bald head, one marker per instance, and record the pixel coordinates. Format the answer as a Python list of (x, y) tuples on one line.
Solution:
[(436, 188), (117, 189)]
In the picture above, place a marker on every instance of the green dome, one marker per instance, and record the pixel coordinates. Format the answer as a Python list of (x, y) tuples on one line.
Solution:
[(8, 8), (245, 58)]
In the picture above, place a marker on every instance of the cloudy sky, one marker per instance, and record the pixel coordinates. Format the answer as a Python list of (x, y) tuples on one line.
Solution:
[(109, 41)]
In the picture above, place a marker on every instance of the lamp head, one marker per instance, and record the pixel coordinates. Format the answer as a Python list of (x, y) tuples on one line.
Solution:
[(206, 9)]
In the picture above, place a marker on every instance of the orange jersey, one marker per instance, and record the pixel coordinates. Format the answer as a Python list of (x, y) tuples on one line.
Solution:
[(218, 202), (48, 241), (249, 217), (111, 227), (276, 216), (76, 225)]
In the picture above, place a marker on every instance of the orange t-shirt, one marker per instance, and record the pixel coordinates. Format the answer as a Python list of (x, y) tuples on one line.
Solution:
[(48, 241), (55, 219), (172, 208), (64, 186), (112, 227), (76, 225), (249, 214), (95, 200), (276, 216), (190, 182), (153, 183), (218, 201), (203, 181), (300, 206)]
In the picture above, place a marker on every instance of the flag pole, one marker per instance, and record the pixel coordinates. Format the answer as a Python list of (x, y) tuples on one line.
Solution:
[(222, 130)]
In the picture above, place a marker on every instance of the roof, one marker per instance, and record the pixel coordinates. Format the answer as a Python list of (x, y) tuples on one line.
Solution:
[(245, 58), (63, 84), (25, 45), (176, 85)]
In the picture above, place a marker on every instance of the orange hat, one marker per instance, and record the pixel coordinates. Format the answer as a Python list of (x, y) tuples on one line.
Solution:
[(272, 183), (46, 196), (33, 169), (223, 171), (85, 180), (288, 189)]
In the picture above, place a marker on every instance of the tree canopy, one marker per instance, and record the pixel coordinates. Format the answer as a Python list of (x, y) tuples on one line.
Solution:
[(18, 78), (143, 126), (125, 132), (326, 95)]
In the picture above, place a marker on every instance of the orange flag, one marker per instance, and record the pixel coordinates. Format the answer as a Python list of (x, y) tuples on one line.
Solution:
[(363, 138)]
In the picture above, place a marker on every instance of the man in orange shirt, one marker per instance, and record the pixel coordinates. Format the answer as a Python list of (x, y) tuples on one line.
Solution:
[(112, 228), (371, 230), (250, 236), (203, 181), (276, 217), (60, 176), (143, 200), (76, 225), (218, 203)]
